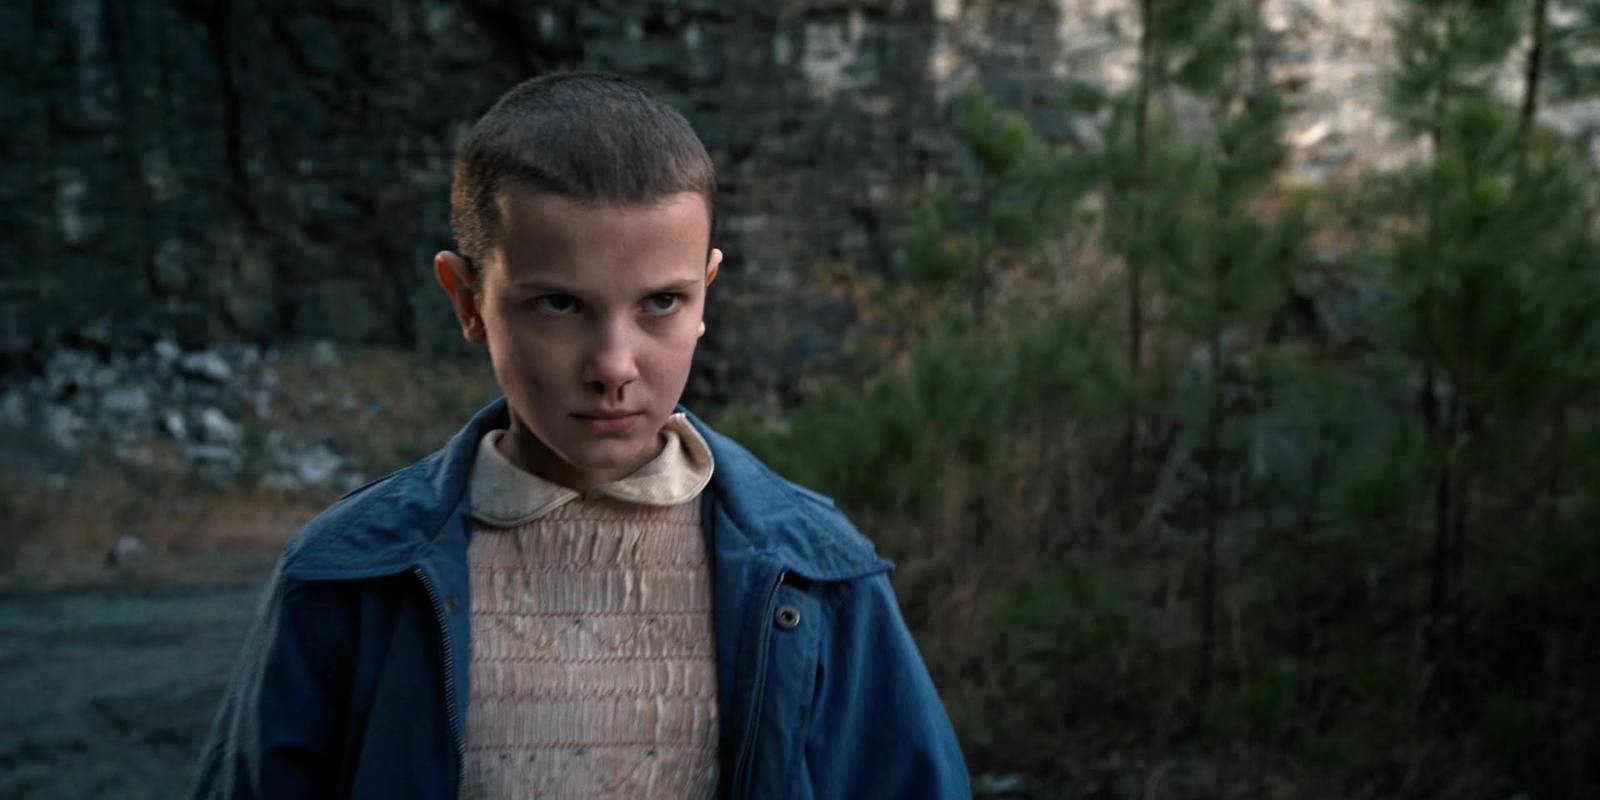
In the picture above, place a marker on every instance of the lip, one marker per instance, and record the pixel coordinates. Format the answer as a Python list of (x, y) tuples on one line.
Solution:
[(608, 421)]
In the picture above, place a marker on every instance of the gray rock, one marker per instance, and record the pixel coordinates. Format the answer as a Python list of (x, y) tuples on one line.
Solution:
[(996, 784), (125, 402), (215, 460), (175, 425), (64, 427), (167, 351), (261, 402), (75, 222), (324, 354), (67, 372), (216, 428), (126, 551), (207, 364), (317, 465), (13, 408)]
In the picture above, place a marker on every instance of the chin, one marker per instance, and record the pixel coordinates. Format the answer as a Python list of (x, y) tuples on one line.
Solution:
[(605, 456)]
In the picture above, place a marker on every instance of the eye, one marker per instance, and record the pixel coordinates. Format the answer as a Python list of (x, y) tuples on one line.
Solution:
[(661, 304), (556, 305)]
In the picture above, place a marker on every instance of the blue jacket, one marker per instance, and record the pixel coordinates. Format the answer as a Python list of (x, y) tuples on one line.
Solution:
[(353, 681)]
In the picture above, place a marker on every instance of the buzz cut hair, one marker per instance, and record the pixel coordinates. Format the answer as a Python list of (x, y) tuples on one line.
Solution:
[(590, 137)]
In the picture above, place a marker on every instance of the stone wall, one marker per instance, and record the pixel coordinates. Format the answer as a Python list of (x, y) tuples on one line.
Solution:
[(223, 170), (211, 171)]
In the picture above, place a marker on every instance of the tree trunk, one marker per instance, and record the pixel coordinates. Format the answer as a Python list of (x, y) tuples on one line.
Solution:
[(1141, 145), (1429, 399), (1535, 69), (1213, 459)]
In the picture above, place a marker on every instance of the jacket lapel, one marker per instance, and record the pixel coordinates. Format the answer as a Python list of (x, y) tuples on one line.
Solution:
[(763, 531)]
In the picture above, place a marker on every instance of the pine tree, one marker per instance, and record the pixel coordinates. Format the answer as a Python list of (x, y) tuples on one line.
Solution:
[(1447, 50), (1490, 260), (1189, 208), (1183, 45)]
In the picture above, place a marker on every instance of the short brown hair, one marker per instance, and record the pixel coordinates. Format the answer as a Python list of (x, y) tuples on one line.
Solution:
[(594, 138)]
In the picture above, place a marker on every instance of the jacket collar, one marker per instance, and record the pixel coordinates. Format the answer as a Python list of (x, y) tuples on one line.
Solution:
[(390, 525), (422, 512), (783, 523)]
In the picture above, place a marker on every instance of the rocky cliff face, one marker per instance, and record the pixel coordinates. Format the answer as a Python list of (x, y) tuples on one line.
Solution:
[(242, 169), (252, 170)]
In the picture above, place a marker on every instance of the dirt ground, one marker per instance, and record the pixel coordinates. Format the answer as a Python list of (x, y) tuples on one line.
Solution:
[(109, 693)]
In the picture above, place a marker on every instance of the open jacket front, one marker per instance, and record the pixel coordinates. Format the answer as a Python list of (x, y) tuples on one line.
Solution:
[(353, 681)]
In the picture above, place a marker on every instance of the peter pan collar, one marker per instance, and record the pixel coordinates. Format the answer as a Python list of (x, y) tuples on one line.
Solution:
[(503, 495)]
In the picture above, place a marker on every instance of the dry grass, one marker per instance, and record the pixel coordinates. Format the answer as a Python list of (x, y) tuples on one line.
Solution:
[(1093, 688), (63, 532), (64, 513)]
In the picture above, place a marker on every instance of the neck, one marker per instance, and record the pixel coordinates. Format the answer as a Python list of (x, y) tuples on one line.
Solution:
[(521, 447)]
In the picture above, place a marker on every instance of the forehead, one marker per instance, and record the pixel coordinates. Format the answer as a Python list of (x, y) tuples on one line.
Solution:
[(544, 232)]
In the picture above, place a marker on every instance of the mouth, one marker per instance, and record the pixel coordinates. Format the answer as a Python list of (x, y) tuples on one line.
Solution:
[(608, 421)]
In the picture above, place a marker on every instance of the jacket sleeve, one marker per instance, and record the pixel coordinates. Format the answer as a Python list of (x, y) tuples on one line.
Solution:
[(279, 730), (878, 728)]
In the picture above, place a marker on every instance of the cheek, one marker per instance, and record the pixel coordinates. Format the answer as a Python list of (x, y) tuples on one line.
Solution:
[(530, 358), (673, 356)]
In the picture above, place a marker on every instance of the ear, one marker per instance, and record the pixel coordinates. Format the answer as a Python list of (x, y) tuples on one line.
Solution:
[(714, 261), (455, 277)]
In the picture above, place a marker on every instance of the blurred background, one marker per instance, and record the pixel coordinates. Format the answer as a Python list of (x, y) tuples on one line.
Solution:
[(1222, 376)]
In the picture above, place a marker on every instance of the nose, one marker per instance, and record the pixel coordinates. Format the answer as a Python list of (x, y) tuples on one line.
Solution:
[(611, 364)]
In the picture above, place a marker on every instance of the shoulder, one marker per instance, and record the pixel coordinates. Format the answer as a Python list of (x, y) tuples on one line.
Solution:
[(376, 529), (385, 526), (801, 525)]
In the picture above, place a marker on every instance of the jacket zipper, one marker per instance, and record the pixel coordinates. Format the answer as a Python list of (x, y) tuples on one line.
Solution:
[(747, 747), (451, 715)]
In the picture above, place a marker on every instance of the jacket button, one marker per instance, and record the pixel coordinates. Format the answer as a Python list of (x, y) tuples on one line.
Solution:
[(787, 618)]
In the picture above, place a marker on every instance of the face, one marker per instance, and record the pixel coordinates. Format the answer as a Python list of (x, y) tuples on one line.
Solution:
[(591, 316)]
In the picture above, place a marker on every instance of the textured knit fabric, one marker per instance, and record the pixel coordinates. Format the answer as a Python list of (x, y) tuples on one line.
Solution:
[(593, 669)]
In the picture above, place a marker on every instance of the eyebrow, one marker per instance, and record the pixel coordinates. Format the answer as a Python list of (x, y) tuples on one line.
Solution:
[(537, 285), (677, 286)]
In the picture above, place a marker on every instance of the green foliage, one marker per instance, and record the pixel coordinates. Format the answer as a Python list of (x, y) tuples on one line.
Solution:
[(1198, 46), (1326, 450), (1221, 259), (936, 252), (973, 366), (1451, 366), (951, 401), (1266, 701), (1001, 140), (1082, 97), (1145, 196), (1017, 196), (1331, 752), (1447, 50), (1492, 277), (1065, 614)]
